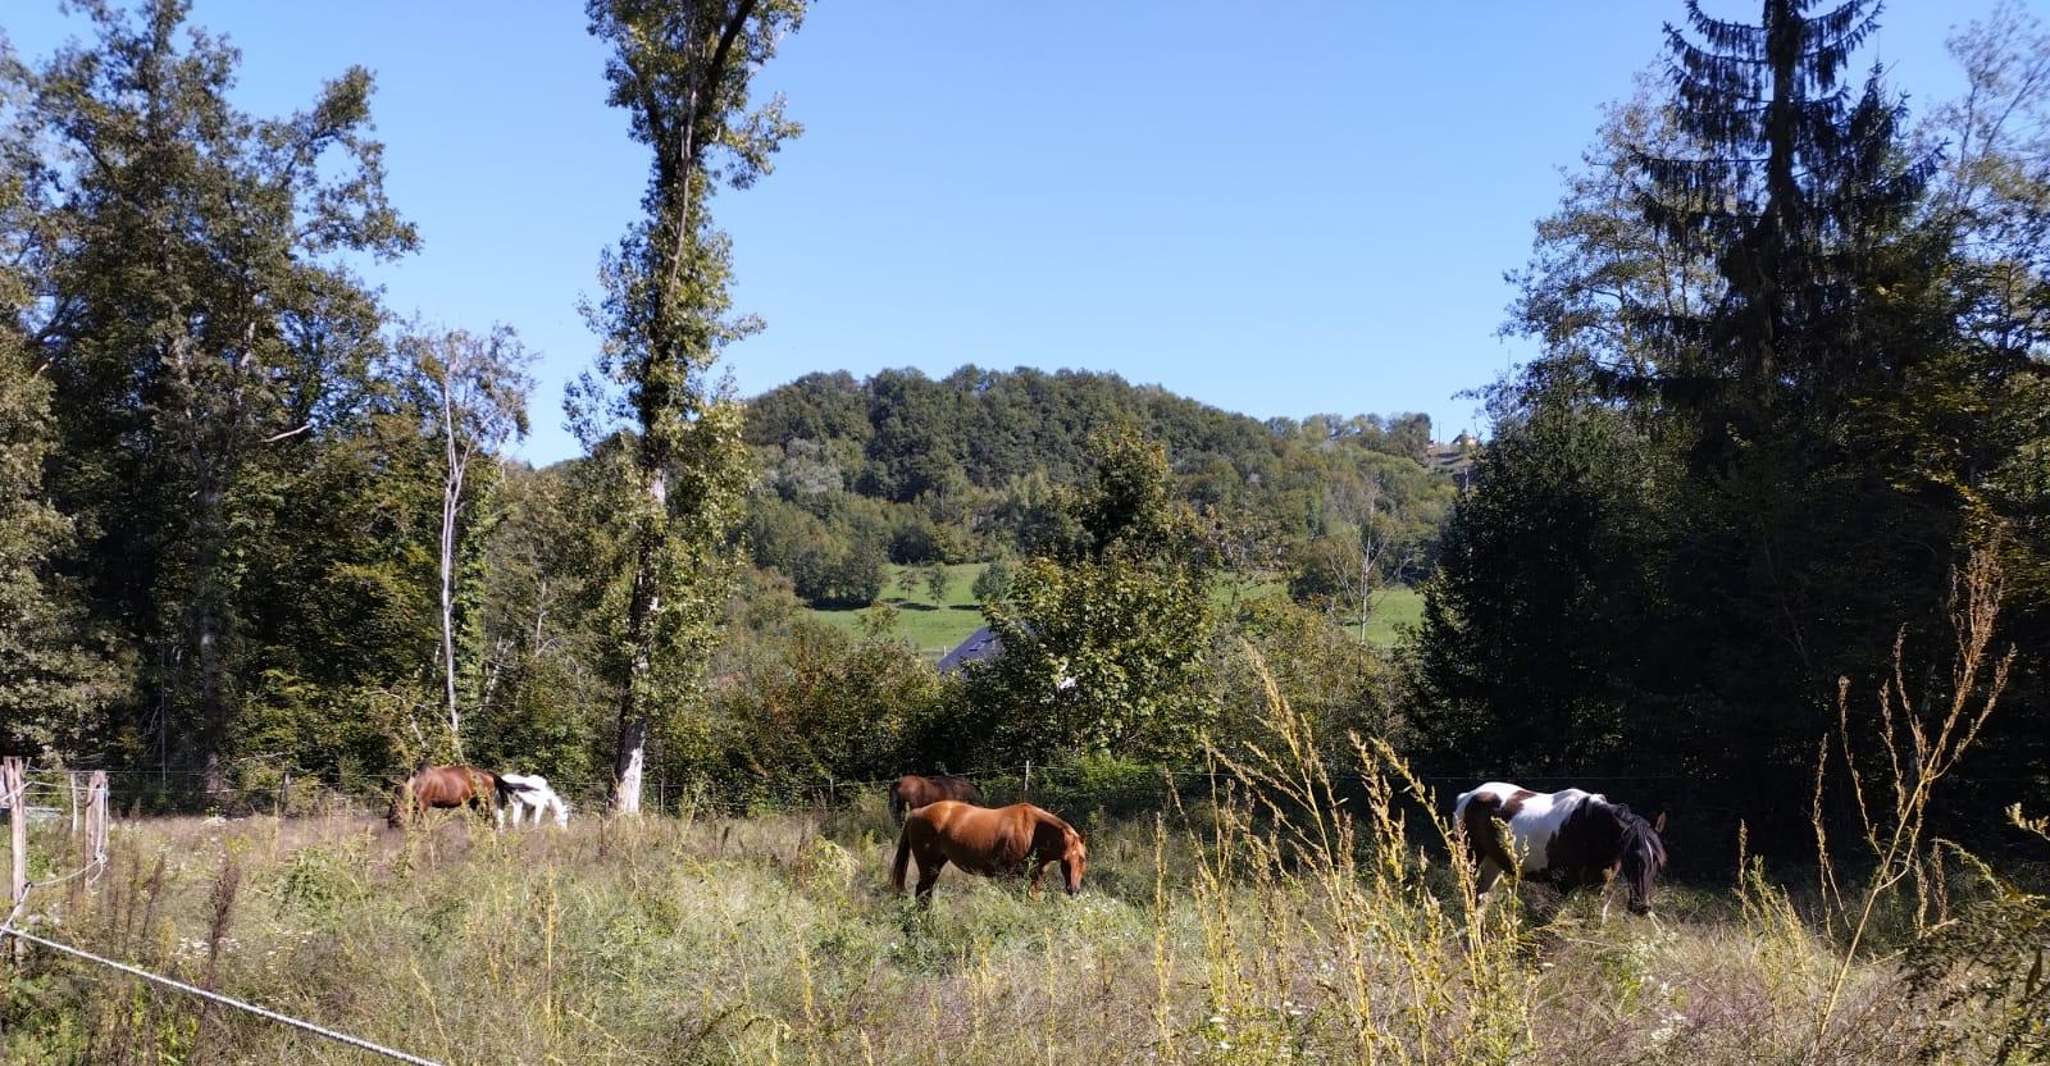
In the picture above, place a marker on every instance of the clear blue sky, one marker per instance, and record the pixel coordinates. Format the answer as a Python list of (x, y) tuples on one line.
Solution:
[(1276, 208)]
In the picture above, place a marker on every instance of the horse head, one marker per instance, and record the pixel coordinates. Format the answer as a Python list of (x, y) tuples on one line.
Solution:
[(1074, 860), (1643, 856), (1056, 839)]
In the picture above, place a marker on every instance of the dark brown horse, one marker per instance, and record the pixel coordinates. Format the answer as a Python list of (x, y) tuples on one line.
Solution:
[(446, 787), (993, 842), (912, 791)]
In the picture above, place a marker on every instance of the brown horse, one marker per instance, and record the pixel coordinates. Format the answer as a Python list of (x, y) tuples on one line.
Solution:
[(912, 791), (445, 787), (993, 842)]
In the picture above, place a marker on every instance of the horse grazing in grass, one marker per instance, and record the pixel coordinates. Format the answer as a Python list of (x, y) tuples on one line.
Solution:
[(1573, 839), (447, 787), (530, 792), (912, 791), (993, 842)]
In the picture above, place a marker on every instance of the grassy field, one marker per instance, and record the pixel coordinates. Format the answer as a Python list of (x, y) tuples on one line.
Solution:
[(1198, 938), (934, 627)]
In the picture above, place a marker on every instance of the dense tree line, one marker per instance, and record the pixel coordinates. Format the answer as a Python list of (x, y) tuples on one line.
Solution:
[(254, 523), (1793, 375)]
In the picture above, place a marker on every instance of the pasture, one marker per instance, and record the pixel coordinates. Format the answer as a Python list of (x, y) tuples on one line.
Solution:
[(935, 626), (1201, 936)]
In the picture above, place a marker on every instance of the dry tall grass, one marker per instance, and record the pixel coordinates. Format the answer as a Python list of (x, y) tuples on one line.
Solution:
[(1215, 936), (1275, 923)]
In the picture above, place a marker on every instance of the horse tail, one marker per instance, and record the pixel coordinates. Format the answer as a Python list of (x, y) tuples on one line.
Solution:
[(503, 789), (903, 862), (897, 803)]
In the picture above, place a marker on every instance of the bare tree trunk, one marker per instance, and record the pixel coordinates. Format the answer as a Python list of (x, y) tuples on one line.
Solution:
[(451, 500), (631, 757)]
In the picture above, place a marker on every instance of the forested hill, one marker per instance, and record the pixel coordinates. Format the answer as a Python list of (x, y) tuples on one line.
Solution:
[(905, 468)]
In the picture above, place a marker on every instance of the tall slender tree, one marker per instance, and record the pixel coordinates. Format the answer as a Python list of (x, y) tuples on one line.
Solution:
[(683, 70), (472, 390)]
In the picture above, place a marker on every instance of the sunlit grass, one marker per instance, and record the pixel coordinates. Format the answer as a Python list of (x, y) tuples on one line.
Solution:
[(935, 627)]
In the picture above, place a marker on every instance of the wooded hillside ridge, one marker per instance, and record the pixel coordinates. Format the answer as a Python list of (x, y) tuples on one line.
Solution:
[(902, 468)]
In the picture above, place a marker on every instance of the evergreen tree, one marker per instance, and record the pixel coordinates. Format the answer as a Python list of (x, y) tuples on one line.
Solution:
[(1756, 442), (682, 70), (1801, 196)]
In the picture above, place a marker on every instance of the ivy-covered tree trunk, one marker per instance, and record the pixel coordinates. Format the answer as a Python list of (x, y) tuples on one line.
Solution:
[(681, 68)]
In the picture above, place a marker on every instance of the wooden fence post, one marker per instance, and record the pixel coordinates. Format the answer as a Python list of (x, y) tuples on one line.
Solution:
[(74, 793), (96, 823), (14, 786)]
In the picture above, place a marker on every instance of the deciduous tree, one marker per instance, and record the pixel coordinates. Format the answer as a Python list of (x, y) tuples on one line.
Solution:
[(682, 69)]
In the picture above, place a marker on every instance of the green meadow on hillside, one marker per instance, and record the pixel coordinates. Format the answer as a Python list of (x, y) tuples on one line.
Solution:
[(934, 627)]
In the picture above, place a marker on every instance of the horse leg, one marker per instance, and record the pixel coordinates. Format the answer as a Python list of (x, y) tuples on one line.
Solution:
[(929, 867), (1486, 875), (1032, 883)]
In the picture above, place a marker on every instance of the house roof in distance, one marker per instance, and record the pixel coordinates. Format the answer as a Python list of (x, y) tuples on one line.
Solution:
[(981, 644)]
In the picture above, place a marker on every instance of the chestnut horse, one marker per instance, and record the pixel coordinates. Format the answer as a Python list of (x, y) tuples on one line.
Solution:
[(993, 842), (444, 787), (912, 791)]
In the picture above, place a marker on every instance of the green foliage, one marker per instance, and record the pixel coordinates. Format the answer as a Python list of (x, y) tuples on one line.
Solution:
[(1765, 425), (1104, 636), (1341, 686), (967, 467), (56, 676), (832, 564), (197, 381), (681, 69), (994, 582), (1565, 527), (821, 706)]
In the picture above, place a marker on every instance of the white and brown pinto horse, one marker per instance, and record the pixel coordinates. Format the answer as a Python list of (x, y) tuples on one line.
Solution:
[(531, 792), (1571, 838)]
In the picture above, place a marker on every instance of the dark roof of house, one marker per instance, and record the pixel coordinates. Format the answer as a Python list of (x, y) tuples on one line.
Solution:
[(981, 644)]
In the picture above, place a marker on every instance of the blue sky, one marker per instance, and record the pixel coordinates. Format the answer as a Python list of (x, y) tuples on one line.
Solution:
[(1276, 208)]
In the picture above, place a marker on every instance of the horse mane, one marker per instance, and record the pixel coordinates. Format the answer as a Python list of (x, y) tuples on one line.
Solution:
[(1638, 833)]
